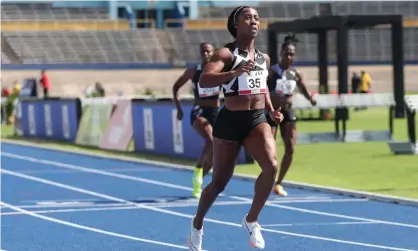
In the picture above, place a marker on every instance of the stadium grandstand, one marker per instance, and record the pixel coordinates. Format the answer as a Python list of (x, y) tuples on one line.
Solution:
[(62, 32), (46, 11), (41, 33)]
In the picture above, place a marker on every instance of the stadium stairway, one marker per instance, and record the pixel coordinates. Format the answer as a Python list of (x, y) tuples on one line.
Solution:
[(9, 52), (165, 44)]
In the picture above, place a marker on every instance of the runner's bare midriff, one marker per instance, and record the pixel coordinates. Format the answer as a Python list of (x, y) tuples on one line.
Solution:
[(246, 102)]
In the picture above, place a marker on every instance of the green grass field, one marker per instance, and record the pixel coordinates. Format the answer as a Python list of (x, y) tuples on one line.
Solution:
[(361, 166)]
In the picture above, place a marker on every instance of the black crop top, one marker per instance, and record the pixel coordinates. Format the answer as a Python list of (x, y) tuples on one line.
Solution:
[(254, 82), (282, 82)]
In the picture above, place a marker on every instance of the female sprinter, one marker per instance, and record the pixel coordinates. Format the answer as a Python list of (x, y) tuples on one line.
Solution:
[(203, 113), (242, 71), (282, 82)]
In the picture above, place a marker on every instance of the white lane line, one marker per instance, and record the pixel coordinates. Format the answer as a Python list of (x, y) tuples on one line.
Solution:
[(25, 206), (96, 230), (331, 214), (117, 206), (165, 184), (169, 212), (69, 210), (122, 170), (185, 203), (318, 224)]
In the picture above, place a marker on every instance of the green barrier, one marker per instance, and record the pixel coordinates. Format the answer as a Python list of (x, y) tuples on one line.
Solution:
[(93, 123)]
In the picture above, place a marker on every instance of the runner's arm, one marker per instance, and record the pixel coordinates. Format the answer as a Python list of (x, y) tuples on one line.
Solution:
[(212, 74), (302, 87), (181, 81)]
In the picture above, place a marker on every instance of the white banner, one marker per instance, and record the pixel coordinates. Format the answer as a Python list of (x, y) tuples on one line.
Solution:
[(177, 133), (148, 129)]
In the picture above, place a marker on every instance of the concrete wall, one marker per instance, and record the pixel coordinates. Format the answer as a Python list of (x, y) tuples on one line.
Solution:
[(135, 81)]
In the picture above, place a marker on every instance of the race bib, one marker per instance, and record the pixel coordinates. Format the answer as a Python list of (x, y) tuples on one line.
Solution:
[(207, 92), (254, 82), (284, 86)]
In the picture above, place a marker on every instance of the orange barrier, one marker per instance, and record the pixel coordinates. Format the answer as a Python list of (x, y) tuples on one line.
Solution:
[(213, 23), (410, 22), (63, 25), (201, 24), (146, 23)]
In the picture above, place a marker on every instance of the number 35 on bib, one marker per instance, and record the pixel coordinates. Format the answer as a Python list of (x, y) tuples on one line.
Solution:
[(254, 82)]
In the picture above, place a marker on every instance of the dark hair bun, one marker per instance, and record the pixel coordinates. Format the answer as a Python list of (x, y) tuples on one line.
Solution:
[(291, 38)]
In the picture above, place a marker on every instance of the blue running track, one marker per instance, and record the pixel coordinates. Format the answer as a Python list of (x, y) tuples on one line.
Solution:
[(54, 200)]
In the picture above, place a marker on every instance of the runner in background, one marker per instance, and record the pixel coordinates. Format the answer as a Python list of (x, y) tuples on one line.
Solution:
[(283, 80), (204, 112)]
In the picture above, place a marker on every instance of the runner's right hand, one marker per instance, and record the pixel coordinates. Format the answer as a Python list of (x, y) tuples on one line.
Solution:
[(244, 68), (276, 116)]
